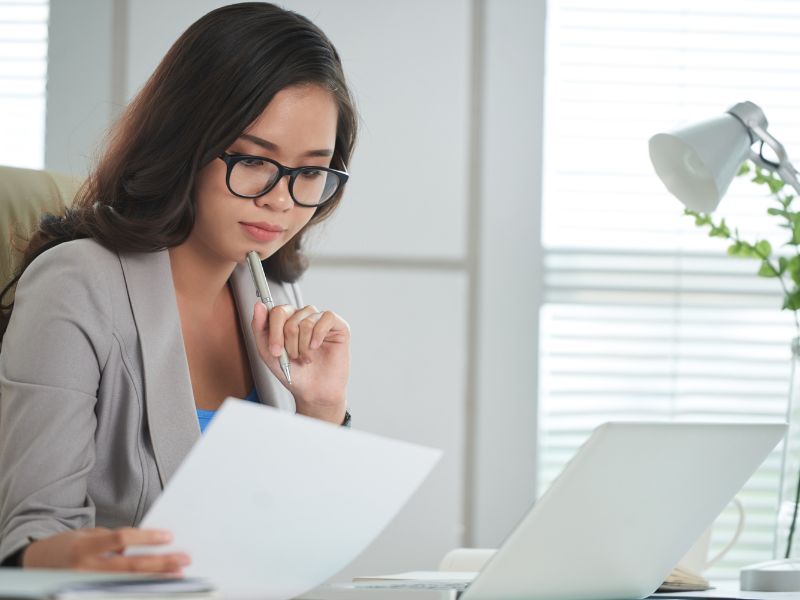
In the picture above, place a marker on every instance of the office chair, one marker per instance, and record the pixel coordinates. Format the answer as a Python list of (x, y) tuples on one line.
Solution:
[(25, 195)]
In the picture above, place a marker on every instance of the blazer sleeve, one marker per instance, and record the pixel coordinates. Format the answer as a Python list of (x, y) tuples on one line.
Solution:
[(52, 358)]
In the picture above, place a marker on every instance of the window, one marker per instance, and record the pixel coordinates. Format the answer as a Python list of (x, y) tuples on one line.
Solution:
[(646, 317), (23, 76)]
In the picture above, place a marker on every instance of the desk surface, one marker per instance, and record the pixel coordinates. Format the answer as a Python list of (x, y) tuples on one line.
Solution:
[(332, 593)]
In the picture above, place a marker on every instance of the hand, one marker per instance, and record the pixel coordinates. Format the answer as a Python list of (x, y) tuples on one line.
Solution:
[(318, 346), (101, 549)]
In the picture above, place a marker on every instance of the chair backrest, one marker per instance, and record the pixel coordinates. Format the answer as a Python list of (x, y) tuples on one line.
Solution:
[(26, 195)]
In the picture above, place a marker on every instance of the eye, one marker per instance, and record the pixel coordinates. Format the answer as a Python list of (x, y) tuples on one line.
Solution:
[(312, 173), (252, 161)]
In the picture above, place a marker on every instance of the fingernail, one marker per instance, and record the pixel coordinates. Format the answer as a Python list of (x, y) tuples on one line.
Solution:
[(164, 536), (275, 350)]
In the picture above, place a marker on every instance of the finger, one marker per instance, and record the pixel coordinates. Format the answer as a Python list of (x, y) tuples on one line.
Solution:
[(277, 319), (118, 539), (148, 563), (306, 330), (291, 331), (325, 324)]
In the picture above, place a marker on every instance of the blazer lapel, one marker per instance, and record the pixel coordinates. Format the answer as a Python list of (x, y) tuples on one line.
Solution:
[(270, 390), (168, 395)]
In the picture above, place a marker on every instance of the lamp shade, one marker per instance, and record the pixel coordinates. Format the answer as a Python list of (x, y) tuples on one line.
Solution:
[(698, 163)]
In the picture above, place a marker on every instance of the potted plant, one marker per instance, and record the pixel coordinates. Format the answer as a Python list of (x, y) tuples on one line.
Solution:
[(784, 266)]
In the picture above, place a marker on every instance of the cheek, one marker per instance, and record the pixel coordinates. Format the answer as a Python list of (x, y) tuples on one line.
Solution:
[(302, 217)]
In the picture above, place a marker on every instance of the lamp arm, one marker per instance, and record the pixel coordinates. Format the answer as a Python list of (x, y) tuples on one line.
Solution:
[(784, 168), (789, 174)]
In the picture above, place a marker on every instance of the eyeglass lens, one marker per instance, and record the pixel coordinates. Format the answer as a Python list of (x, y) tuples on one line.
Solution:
[(250, 177)]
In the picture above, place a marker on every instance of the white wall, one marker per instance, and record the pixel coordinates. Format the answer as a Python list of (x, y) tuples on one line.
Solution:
[(438, 274)]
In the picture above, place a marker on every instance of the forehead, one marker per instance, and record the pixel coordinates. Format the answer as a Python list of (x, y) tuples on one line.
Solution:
[(298, 117)]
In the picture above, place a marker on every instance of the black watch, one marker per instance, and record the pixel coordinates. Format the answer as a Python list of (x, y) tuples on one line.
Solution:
[(15, 560)]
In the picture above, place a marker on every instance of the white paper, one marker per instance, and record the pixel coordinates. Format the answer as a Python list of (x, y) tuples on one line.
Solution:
[(53, 583), (723, 593), (270, 504), (466, 559), (413, 576), (416, 580)]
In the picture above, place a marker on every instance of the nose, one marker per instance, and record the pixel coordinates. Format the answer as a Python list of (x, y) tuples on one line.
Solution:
[(278, 198)]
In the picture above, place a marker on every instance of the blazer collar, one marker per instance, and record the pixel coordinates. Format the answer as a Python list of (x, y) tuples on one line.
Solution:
[(168, 397)]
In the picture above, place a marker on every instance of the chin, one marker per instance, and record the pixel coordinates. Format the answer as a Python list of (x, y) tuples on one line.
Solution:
[(262, 254)]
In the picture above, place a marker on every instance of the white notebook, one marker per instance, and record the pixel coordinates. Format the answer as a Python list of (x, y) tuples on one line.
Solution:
[(612, 524)]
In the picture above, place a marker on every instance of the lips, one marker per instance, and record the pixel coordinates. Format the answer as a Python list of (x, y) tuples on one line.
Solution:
[(262, 231), (265, 226)]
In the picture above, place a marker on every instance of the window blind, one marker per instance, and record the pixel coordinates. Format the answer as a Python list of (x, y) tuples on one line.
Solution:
[(645, 317), (23, 76)]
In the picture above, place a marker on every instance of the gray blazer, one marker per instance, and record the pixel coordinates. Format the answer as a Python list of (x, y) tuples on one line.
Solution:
[(96, 404)]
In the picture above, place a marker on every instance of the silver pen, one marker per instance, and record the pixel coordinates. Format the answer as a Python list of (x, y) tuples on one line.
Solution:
[(262, 289)]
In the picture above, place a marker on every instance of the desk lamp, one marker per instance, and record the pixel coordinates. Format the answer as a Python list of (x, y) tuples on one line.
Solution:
[(697, 164)]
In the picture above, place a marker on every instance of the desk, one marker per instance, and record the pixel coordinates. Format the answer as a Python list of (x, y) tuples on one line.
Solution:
[(332, 593)]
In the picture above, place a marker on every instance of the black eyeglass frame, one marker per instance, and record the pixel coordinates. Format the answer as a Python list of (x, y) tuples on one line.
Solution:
[(230, 161)]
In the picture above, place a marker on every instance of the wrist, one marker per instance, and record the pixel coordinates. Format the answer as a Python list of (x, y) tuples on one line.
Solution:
[(333, 413)]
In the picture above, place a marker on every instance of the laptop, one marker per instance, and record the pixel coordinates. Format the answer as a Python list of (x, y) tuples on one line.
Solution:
[(621, 514)]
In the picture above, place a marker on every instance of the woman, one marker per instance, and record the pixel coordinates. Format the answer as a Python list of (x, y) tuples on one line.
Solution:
[(134, 315)]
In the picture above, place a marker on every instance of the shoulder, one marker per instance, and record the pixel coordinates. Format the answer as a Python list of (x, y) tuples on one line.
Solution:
[(64, 296), (80, 270), (85, 252), (83, 260)]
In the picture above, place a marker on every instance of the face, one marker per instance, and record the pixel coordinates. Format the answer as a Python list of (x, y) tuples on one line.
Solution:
[(297, 129)]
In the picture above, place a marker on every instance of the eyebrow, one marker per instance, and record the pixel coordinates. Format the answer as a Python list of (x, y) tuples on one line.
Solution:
[(267, 145)]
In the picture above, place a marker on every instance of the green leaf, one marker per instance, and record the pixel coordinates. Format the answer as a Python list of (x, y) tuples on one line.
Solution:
[(744, 169), (775, 185), (721, 230), (742, 250), (787, 200), (699, 219), (763, 248), (776, 212), (791, 301), (767, 270), (783, 264), (794, 269)]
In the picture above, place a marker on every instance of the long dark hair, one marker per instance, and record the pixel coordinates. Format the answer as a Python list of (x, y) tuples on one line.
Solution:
[(216, 79)]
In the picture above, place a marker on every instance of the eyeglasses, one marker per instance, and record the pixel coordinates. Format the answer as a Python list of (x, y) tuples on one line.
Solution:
[(253, 176)]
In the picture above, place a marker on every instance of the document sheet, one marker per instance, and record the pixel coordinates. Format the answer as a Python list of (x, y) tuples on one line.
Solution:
[(35, 584), (270, 504)]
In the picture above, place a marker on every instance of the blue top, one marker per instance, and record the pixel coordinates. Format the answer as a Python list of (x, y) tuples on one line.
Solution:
[(204, 416)]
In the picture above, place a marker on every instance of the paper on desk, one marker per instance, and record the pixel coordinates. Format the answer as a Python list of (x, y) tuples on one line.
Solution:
[(416, 580), (728, 594), (35, 584), (271, 504)]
